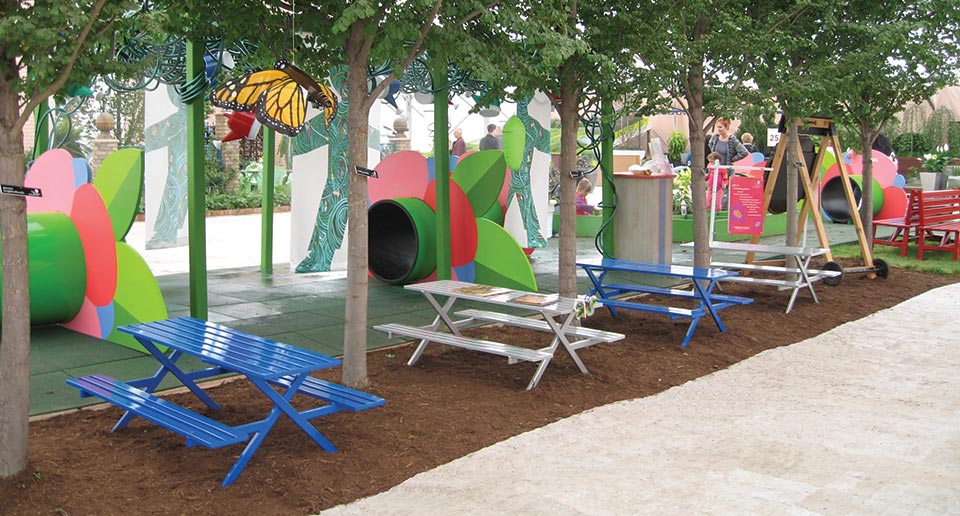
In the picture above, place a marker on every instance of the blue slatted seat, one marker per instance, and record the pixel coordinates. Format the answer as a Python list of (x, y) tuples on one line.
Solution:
[(339, 395), (197, 428)]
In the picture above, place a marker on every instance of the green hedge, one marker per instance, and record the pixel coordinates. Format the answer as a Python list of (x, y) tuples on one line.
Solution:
[(246, 199)]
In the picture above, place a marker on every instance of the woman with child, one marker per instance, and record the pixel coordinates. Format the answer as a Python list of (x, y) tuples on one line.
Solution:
[(725, 150)]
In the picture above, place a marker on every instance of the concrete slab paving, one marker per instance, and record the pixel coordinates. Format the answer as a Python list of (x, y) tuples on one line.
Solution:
[(863, 419)]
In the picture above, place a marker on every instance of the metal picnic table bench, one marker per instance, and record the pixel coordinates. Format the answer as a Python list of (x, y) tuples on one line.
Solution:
[(804, 276), (266, 363), (556, 317), (709, 302)]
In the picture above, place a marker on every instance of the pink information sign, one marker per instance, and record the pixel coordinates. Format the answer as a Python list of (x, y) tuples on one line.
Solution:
[(746, 206)]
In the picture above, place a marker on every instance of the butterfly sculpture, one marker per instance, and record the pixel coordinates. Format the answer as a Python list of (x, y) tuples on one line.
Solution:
[(279, 95)]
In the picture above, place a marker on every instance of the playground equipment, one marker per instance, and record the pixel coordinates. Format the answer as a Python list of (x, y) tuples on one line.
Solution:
[(402, 219), (829, 143), (82, 274)]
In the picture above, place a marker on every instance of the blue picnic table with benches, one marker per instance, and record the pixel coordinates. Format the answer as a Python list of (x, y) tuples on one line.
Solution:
[(278, 370), (703, 281)]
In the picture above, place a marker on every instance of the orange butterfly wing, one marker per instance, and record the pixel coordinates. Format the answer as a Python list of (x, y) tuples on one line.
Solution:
[(243, 93), (283, 107)]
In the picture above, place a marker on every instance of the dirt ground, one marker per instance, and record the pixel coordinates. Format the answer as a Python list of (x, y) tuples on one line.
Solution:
[(451, 403)]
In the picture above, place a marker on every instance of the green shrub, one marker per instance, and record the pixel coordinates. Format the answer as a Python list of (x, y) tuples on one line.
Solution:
[(681, 189), (911, 144), (676, 146), (246, 199)]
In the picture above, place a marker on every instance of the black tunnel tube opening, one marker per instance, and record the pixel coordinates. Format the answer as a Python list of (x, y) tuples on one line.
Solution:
[(833, 199), (393, 242)]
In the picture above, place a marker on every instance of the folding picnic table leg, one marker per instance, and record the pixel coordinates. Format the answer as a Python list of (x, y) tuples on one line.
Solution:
[(442, 315), (598, 287), (802, 264), (282, 403), (262, 428), (538, 373), (560, 338), (690, 330), (706, 302), (167, 365)]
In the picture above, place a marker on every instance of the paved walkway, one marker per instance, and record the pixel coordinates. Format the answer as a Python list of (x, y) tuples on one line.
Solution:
[(864, 419), (232, 242)]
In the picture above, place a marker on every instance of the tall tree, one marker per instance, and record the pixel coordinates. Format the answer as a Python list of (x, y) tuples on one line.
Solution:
[(884, 59), (568, 50), (43, 47), (693, 51), (361, 35), (788, 51)]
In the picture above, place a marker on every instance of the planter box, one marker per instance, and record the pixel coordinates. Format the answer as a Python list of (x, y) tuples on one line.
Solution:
[(587, 225), (683, 227), (907, 164)]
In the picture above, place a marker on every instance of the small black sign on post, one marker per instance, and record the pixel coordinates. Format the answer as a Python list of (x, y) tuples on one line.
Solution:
[(577, 174), (20, 191), (369, 172)]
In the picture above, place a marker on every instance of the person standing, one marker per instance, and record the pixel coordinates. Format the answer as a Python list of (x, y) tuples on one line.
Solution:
[(459, 146), (747, 140), (490, 141), (724, 142)]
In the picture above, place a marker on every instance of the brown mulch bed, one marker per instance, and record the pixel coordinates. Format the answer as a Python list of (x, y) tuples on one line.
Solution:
[(450, 404)]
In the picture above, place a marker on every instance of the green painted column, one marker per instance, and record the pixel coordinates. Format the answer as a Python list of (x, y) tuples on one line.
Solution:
[(441, 153), (606, 167), (196, 188), (266, 201)]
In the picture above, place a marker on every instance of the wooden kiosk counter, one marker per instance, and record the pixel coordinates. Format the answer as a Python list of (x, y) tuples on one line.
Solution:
[(643, 224)]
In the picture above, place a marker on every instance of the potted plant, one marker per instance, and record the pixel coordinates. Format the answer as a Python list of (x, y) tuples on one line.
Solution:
[(676, 146), (934, 174)]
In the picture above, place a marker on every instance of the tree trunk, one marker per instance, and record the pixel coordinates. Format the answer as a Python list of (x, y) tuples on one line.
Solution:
[(698, 187), (569, 121), (15, 343), (793, 156), (355, 330), (867, 136)]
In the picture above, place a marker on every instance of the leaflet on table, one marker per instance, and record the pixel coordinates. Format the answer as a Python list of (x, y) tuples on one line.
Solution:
[(482, 290), (536, 299)]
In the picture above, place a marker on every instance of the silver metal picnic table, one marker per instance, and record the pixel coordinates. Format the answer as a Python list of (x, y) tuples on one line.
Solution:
[(557, 315)]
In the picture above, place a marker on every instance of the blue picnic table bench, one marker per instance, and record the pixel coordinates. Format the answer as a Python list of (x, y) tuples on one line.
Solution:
[(278, 370), (703, 281)]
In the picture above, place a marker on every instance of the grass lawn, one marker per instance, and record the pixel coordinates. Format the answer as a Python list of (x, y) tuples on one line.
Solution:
[(935, 262)]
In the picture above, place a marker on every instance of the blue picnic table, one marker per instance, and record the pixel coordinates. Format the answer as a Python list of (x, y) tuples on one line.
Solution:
[(278, 370), (703, 281)]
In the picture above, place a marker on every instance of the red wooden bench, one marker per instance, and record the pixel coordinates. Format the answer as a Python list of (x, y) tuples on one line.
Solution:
[(939, 228), (904, 228)]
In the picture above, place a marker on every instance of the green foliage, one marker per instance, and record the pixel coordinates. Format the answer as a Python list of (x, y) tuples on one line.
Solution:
[(937, 126), (953, 139), (755, 118), (218, 177), (246, 199), (885, 59), (910, 144), (681, 189), (555, 136), (676, 146), (67, 136), (45, 36), (936, 163)]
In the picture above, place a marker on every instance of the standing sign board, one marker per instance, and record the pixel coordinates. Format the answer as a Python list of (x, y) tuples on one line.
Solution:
[(746, 206)]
